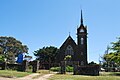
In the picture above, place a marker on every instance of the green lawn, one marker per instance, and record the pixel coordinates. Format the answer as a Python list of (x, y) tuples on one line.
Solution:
[(104, 76), (13, 73), (10, 73)]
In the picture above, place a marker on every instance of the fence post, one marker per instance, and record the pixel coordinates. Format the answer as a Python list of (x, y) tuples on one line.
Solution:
[(35, 65), (63, 66)]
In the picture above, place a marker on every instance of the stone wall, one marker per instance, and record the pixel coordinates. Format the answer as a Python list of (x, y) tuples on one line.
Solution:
[(92, 70)]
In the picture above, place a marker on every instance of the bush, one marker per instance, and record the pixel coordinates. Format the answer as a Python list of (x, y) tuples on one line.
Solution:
[(55, 69), (68, 69)]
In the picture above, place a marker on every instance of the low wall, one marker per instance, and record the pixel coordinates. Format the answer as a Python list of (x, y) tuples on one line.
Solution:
[(3, 66), (92, 70)]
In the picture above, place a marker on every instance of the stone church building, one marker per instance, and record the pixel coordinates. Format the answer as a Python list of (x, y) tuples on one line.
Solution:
[(77, 51)]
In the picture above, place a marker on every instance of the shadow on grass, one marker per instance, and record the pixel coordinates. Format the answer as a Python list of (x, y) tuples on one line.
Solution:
[(109, 73), (115, 73), (7, 76)]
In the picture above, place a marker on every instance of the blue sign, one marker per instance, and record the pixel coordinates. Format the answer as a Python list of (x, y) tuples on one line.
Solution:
[(20, 58)]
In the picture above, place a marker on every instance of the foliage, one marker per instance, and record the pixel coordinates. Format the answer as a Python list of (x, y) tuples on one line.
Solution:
[(92, 63), (67, 57), (10, 47), (112, 58), (116, 46), (2, 58), (68, 69), (46, 54), (55, 69)]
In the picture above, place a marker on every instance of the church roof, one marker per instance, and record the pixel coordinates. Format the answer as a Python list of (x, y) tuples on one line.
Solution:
[(69, 40)]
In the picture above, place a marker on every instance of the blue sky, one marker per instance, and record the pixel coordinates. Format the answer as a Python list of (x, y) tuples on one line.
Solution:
[(39, 23)]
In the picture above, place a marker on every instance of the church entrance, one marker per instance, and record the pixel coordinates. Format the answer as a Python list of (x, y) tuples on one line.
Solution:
[(69, 66)]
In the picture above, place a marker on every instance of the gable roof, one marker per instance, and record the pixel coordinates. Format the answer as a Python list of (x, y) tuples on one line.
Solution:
[(69, 40)]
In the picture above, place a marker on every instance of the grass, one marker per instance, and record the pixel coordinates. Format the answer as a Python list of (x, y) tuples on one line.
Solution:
[(17, 74), (11, 73), (110, 73), (41, 73), (68, 76), (103, 76)]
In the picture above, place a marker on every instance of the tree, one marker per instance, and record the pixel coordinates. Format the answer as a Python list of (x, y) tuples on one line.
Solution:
[(116, 46), (112, 58), (92, 63), (68, 57), (10, 48), (46, 54)]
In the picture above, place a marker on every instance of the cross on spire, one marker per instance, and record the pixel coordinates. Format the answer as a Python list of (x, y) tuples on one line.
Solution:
[(69, 33)]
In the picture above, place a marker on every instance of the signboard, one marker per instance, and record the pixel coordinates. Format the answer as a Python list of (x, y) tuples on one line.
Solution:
[(20, 58)]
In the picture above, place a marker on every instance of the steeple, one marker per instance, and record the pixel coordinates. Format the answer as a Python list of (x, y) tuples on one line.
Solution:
[(81, 18)]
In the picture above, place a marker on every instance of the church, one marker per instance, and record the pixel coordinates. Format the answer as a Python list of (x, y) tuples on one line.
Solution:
[(77, 51)]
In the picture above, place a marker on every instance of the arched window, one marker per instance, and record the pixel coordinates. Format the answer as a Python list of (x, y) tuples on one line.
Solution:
[(82, 40), (69, 50)]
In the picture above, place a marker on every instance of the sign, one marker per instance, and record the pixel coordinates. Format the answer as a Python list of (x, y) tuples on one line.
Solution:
[(20, 58)]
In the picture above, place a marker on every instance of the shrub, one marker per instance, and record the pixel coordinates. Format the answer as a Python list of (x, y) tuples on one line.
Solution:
[(68, 69), (55, 69)]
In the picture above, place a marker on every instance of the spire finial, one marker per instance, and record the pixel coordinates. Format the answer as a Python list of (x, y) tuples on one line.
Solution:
[(69, 33), (81, 17)]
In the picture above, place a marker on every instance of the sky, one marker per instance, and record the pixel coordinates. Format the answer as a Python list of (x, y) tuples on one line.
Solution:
[(39, 23)]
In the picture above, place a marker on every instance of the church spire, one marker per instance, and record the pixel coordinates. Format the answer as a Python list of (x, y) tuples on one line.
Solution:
[(81, 18)]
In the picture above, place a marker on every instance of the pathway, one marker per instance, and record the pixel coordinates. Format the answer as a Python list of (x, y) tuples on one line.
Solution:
[(30, 77)]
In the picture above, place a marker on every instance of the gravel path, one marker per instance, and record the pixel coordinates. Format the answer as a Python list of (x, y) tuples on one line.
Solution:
[(29, 77)]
